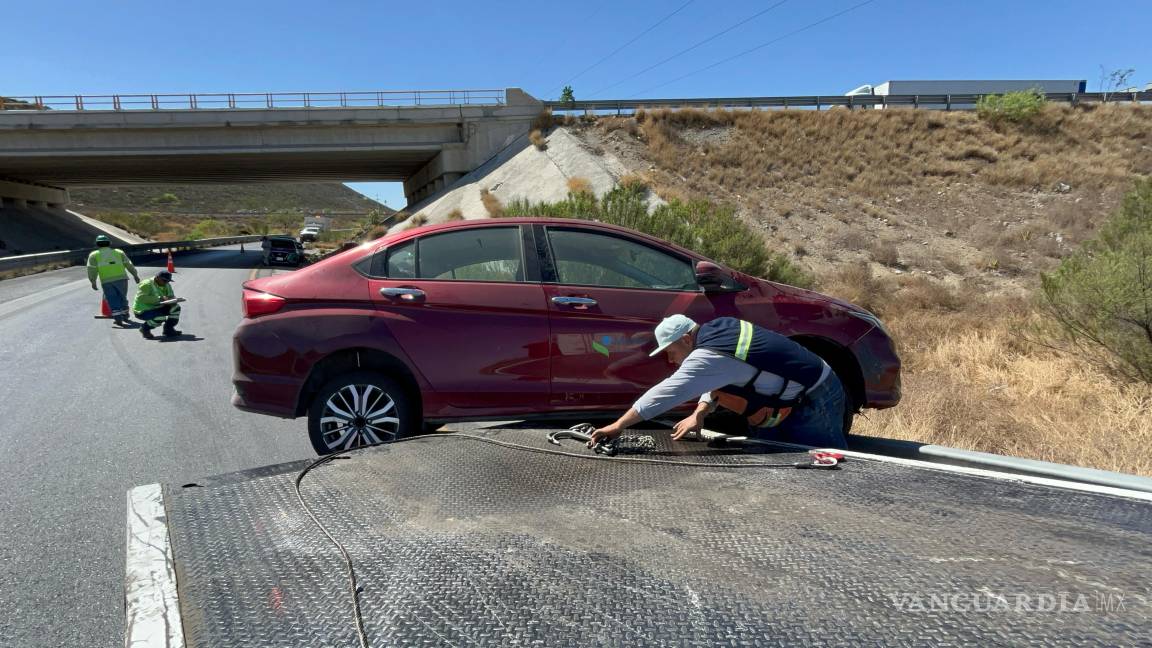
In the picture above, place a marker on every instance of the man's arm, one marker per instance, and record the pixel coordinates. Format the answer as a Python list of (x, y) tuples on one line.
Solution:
[(702, 372), (93, 271), (128, 265)]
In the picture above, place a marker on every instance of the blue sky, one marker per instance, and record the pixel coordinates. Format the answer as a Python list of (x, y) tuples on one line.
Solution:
[(80, 46)]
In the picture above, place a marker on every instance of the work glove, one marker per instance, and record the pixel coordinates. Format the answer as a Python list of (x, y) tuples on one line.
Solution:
[(136, 278), (94, 286)]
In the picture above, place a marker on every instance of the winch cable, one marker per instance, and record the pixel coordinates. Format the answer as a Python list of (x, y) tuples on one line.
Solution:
[(353, 586)]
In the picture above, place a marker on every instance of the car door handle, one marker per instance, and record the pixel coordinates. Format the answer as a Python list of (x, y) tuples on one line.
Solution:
[(406, 294), (579, 302)]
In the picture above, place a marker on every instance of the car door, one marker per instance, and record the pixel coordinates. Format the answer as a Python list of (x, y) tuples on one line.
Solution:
[(467, 307), (606, 292)]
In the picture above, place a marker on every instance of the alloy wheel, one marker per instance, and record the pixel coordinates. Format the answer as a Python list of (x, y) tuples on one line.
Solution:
[(359, 415)]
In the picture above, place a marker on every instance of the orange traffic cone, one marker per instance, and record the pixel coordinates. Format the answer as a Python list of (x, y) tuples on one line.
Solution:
[(105, 309), (171, 265)]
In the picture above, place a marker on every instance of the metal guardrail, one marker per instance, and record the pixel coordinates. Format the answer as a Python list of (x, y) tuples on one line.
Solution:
[(937, 101), (254, 100), (77, 257)]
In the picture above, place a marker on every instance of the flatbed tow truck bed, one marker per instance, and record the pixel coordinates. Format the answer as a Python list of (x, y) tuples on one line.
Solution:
[(458, 541)]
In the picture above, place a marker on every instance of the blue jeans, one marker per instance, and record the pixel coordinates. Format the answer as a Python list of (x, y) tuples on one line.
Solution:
[(116, 292), (818, 422)]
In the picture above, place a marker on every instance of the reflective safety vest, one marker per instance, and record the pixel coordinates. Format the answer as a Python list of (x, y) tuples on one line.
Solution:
[(149, 294), (108, 264), (766, 352)]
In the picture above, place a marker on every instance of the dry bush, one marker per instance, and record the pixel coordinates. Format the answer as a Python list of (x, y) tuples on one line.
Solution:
[(578, 185), (419, 220), (885, 253), (455, 215), (376, 232), (855, 283), (852, 240), (626, 124), (538, 140), (633, 181), (492, 204), (546, 121)]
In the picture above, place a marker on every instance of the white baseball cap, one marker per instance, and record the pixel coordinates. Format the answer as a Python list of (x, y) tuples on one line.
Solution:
[(671, 329)]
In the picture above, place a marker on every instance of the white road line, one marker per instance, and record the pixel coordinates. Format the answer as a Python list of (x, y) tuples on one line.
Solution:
[(27, 300), (151, 607)]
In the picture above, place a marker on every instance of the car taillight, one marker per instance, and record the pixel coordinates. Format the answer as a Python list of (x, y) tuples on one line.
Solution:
[(261, 303)]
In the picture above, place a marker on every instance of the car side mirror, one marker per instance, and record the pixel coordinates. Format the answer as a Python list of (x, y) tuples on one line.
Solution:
[(711, 277)]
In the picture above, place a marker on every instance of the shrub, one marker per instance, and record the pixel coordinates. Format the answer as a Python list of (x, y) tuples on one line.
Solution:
[(1018, 107), (1100, 297), (885, 253), (166, 199), (633, 181), (537, 139), (578, 185), (492, 204), (418, 220), (456, 215), (712, 230)]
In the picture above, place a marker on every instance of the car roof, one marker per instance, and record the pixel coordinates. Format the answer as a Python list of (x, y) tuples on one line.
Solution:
[(403, 235)]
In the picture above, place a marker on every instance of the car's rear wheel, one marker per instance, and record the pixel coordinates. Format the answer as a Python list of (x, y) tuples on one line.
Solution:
[(358, 409)]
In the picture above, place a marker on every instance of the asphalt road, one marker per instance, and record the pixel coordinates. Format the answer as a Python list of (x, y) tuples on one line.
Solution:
[(88, 411)]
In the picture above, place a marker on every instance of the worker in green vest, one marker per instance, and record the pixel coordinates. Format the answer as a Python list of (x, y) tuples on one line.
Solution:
[(157, 303), (112, 266)]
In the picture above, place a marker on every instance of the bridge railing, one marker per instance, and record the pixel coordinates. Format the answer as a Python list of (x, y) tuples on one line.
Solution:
[(936, 101), (256, 101), (77, 257)]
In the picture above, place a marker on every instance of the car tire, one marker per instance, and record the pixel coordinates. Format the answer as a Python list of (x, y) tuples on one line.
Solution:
[(339, 417)]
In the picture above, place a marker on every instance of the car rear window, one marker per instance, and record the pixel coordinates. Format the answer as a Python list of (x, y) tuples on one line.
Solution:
[(474, 254)]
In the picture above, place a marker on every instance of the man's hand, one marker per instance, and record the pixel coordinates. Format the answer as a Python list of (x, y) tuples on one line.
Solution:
[(94, 286), (692, 423), (606, 433), (136, 278)]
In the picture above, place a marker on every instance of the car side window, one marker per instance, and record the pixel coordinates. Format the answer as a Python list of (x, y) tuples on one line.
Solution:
[(473, 254), (592, 259), (401, 263)]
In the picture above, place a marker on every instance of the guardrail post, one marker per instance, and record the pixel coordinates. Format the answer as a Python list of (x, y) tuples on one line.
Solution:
[(79, 102), (268, 99), (192, 101), (851, 102), (231, 100), (915, 101), (307, 100), (155, 102), (948, 105), (115, 102), (817, 104)]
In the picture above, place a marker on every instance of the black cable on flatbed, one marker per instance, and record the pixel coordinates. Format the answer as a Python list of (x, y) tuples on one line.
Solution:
[(353, 586)]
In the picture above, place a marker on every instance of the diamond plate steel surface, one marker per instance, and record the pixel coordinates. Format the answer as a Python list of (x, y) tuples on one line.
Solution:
[(461, 542)]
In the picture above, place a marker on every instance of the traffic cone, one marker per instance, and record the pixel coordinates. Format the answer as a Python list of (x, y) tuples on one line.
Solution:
[(105, 309), (171, 265)]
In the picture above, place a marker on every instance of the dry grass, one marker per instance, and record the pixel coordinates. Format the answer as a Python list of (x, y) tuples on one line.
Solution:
[(492, 204), (578, 185), (419, 220), (538, 140), (973, 380), (982, 387), (634, 181), (23, 272), (455, 215), (885, 253), (870, 152)]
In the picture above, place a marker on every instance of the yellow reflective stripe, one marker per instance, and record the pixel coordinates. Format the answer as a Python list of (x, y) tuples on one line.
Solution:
[(745, 341)]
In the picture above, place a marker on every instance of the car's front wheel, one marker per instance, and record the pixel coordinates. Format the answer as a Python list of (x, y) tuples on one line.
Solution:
[(358, 409)]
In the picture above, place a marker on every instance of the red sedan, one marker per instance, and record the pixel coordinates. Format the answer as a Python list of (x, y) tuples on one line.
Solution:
[(511, 318)]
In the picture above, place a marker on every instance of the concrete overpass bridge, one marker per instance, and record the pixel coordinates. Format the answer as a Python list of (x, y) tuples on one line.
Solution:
[(427, 139)]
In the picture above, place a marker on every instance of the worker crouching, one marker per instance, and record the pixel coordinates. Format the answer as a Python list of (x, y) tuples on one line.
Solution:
[(156, 303), (786, 392)]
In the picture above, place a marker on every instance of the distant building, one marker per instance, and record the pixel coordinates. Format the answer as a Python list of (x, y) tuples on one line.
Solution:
[(968, 87)]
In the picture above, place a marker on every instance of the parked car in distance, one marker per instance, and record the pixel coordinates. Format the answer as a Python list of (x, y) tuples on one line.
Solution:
[(282, 250), (309, 234), (512, 318)]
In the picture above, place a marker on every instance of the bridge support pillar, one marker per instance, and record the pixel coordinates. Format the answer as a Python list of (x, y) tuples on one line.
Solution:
[(449, 165), (22, 193)]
